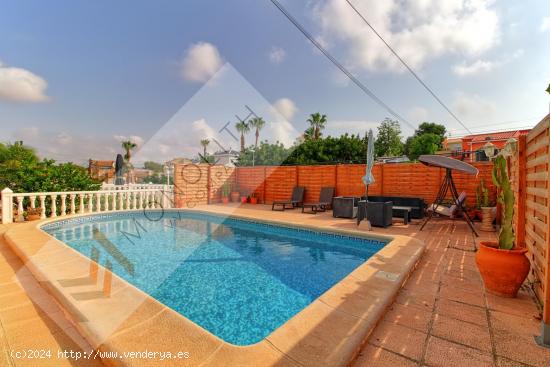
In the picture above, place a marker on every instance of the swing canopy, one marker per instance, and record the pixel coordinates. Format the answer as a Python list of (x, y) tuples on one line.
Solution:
[(448, 163)]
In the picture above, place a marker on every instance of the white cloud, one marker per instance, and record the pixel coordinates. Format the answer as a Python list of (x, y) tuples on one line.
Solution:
[(20, 85), (476, 67), (277, 55), (285, 107), (473, 107), (545, 24), (483, 66), (418, 30), (201, 61)]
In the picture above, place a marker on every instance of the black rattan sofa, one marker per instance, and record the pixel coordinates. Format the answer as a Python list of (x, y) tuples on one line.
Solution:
[(417, 205)]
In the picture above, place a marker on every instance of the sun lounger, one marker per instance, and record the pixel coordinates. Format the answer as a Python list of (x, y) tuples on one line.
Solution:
[(296, 200), (324, 203)]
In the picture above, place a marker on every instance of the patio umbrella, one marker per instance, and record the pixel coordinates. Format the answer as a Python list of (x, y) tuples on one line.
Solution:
[(368, 178)]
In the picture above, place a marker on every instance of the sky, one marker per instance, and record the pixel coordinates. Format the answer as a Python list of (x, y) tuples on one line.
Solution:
[(76, 78)]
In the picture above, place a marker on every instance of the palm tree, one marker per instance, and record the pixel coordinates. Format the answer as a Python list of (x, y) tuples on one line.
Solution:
[(317, 122), (257, 123), (128, 145), (243, 127), (204, 143)]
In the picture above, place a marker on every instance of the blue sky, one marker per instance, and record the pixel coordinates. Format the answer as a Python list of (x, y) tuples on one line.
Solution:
[(76, 77)]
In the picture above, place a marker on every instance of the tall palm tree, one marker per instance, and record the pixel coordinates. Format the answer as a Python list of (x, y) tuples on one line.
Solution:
[(204, 143), (258, 123), (317, 122), (243, 127), (128, 146)]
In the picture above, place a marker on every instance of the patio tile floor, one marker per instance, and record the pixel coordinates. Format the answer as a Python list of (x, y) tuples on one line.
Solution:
[(442, 316)]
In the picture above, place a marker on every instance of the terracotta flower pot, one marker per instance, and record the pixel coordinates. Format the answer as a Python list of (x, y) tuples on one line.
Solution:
[(33, 217), (503, 271), (225, 200), (253, 200), (235, 195)]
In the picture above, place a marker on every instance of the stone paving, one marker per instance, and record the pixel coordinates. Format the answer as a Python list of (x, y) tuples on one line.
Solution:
[(441, 317), (444, 317)]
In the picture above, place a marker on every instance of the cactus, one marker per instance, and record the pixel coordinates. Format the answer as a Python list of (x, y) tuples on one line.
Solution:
[(506, 235), (482, 195)]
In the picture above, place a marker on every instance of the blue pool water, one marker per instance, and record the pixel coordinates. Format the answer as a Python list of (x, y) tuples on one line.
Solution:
[(238, 279)]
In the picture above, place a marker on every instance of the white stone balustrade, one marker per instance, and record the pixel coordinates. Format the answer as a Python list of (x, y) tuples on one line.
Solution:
[(54, 204)]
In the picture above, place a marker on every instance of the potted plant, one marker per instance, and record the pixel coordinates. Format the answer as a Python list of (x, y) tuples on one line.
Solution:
[(244, 199), (486, 206), (253, 198), (502, 265), (235, 195), (33, 213), (226, 188)]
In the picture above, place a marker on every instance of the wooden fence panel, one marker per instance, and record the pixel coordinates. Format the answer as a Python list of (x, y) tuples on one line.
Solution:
[(250, 180), (315, 177), (537, 206), (279, 182)]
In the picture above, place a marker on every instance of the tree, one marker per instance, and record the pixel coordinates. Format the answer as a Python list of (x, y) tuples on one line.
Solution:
[(153, 166), (309, 133), (22, 171), (343, 149), (432, 128), (128, 146), (317, 122), (423, 144), (243, 127), (388, 141), (204, 143), (425, 128), (257, 123), (265, 154)]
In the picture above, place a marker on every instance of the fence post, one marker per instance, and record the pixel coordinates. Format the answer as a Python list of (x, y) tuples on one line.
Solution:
[(7, 206), (521, 177)]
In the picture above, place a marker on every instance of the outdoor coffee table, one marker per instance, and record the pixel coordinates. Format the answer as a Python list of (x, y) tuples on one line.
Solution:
[(405, 211)]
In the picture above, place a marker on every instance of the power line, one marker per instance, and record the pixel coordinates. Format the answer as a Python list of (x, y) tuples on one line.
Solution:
[(339, 65), (408, 67)]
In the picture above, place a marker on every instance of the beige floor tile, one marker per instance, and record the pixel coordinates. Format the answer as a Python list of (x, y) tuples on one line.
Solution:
[(399, 339), (442, 353)]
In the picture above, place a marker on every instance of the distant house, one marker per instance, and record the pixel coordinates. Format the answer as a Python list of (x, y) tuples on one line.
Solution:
[(470, 147), (179, 160), (140, 174), (103, 171), (226, 157)]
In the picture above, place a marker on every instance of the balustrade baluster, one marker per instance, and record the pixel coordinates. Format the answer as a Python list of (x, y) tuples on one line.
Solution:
[(73, 209), (98, 200), (42, 206), (63, 205), (81, 203), (20, 210), (113, 200), (53, 206)]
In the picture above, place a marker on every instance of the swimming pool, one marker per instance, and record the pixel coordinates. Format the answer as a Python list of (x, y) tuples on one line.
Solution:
[(236, 278)]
